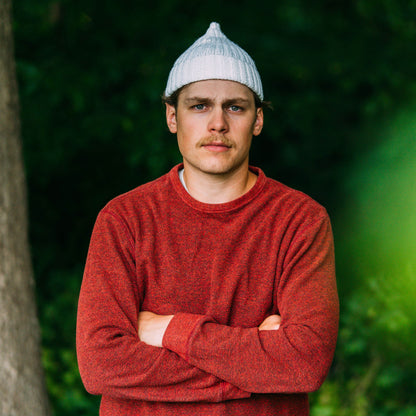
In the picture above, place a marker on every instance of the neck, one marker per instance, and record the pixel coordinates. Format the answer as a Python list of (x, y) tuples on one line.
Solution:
[(218, 188)]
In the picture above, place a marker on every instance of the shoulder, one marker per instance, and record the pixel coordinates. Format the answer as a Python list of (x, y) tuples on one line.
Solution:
[(291, 202), (148, 196), (291, 196), (298, 217)]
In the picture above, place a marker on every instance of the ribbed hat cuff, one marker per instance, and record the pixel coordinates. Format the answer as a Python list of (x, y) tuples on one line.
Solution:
[(208, 67)]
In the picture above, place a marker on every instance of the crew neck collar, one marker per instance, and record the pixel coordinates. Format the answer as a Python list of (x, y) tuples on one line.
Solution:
[(217, 208)]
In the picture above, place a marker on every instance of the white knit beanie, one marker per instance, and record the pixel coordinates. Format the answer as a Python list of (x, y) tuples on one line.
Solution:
[(214, 56)]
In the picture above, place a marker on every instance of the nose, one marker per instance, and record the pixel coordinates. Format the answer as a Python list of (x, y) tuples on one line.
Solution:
[(217, 122)]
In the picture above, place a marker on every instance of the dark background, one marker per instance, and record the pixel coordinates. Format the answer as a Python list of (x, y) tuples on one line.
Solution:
[(342, 79)]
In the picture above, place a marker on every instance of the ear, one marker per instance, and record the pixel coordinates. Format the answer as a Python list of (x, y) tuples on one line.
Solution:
[(171, 118), (258, 124)]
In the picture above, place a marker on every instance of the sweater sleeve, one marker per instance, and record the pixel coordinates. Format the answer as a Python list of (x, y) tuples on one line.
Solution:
[(112, 359), (296, 357)]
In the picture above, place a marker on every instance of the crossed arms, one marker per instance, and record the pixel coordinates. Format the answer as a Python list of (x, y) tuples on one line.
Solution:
[(119, 346), (152, 327)]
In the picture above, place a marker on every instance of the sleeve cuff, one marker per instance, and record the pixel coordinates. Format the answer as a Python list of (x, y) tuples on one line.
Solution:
[(180, 330), (178, 337)]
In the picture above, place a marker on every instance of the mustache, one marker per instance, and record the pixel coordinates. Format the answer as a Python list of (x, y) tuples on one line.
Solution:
[(206, 141)]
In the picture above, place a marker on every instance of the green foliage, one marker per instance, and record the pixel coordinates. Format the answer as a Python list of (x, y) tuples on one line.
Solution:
[(58, 316), (375, 370), (376, 357), (91, 75)]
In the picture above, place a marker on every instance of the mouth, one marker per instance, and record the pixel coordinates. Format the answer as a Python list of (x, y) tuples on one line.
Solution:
[(218, 148), (216, 145)]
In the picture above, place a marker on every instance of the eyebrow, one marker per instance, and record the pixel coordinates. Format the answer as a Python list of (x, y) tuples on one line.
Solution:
[(228, 101)]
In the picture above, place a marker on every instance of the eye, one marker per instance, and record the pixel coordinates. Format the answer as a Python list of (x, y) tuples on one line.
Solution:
[(199, 107), (235, 108)]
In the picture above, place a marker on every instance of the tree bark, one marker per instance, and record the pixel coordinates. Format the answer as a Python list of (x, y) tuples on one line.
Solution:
[(22, 386)]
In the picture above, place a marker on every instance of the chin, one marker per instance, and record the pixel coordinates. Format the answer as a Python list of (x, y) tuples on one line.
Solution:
[(216, 167), (220, 170)]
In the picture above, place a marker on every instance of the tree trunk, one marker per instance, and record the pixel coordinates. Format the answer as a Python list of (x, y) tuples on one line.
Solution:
[(22, 387)]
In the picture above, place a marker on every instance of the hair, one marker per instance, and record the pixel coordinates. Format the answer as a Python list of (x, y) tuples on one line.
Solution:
[(173, 100)]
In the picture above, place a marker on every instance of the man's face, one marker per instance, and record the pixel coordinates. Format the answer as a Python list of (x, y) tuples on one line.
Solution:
[(215, 121)]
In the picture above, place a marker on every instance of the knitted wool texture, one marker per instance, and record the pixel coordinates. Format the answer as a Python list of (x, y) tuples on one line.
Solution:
[(220, 269), (214, 56)]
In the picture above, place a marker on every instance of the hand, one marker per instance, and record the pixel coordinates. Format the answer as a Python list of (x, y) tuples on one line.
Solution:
[(152, 327), (271, 323)]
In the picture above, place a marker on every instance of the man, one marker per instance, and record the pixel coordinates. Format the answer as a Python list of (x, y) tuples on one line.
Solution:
[(211, 290)]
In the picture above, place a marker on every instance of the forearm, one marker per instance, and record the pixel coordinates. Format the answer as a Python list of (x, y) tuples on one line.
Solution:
[(292, 359), (152, 327), (140, 372), (113, 360)]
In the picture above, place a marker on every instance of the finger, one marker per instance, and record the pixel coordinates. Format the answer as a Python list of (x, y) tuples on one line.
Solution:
[(146, 315), (273, 319), (272, 322), (269, 327)]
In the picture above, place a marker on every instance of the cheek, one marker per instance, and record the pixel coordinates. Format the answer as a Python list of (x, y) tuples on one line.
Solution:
[(190, 124), (189, 132), (185, 142), (246, 129)]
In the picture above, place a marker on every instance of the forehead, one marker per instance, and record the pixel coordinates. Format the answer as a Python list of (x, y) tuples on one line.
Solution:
[(216, 89)]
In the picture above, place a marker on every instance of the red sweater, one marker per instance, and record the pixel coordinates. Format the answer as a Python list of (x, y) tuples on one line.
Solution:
[(221, 269)]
